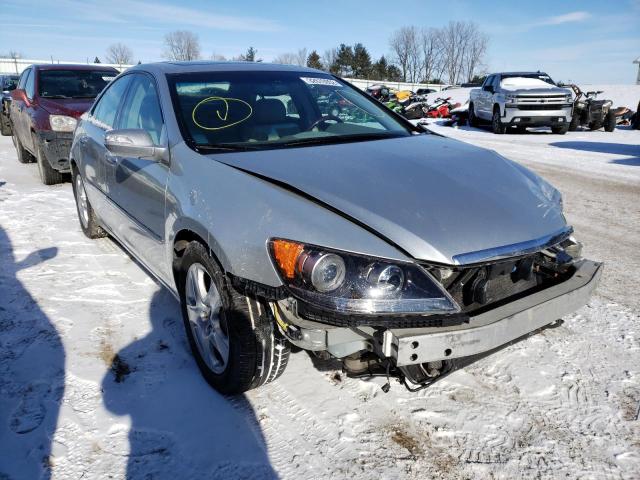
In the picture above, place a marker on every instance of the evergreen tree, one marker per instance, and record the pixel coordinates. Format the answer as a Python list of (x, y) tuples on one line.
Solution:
[(97, 60), (379, 70), (313, 61), (344, 60), (361, 64)]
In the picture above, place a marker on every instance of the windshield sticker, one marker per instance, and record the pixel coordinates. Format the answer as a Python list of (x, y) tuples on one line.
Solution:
[(216, 113), (107, 78), (320, 81)]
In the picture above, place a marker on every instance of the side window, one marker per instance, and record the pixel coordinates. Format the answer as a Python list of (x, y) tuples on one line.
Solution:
[(141, 109), (23, 78), (29, 85), (104, 112)]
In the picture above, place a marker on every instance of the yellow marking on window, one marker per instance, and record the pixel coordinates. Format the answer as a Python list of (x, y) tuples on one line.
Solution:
[(224, 117)]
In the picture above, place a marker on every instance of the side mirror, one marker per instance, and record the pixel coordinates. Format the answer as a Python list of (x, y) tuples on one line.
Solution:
[(133, 142), (19, 94)]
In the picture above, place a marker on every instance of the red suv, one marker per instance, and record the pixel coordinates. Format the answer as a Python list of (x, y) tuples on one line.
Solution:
[(44, 111)]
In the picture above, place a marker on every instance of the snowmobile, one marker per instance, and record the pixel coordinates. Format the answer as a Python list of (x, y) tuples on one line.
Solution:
[(441, 108), (590, 112)]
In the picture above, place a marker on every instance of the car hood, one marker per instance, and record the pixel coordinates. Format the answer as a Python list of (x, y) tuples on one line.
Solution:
[(551, 90), (434, 197), (73, 107)]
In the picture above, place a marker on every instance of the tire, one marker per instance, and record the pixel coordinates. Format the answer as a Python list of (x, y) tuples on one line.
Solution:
[(86, 215), (560, 130), (473, 120), (23, 155), (575, 122), (610, 121), (595, 125), (248, 350), (5, 126), (496, 123), (48, 174)]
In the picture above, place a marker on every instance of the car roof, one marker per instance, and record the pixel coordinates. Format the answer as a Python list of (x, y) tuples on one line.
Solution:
[(521, 73), (66, 66), (206, 66)]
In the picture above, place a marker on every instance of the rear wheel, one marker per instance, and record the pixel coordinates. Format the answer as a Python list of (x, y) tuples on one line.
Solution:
[(48, 174), (496, 122), (610, 121), (88, 221), (23, 155), (233, 338)]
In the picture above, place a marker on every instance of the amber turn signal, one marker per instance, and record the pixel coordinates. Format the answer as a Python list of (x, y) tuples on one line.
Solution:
[(286, 254)]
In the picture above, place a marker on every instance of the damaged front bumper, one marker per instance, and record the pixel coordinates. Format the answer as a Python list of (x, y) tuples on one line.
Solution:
[(482, 333), (56, 147), (496, 327)]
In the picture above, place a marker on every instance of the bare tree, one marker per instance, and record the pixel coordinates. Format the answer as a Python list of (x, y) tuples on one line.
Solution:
[(12, 54), (431, 52), (120, 54), (329, 59), (181, 45), (286, 59), (464, 48), (475, 53), (301, 57), (218, 58), (404, 45)]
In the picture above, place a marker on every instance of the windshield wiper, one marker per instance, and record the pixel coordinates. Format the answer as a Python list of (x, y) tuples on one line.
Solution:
[(340, 138), (54, 96), (227, 147)]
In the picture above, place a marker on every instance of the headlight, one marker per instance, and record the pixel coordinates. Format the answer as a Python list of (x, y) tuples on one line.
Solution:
[(62, 123), (568, 98), (353, 283), (511, 99)]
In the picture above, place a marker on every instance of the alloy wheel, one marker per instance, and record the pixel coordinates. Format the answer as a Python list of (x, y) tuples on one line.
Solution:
[(81, 199), (204, 309)]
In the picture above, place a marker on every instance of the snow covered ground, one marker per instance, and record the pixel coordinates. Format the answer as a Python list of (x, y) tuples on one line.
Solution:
[(561, 404)]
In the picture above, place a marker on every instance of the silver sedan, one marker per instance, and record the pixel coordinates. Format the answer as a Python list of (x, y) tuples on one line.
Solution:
[(282, 206)]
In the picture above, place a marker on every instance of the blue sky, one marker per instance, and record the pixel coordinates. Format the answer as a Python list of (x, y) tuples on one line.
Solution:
[(582, 41)]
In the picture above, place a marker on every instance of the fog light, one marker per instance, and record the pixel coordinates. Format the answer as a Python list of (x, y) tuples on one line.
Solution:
[(560, 119), (517, 120)]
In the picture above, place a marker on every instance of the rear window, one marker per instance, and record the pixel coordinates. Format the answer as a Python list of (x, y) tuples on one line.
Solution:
[(73, 83)]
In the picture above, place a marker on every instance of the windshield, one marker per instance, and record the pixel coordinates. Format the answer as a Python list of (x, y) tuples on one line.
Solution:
[(254, 110), (531, 76), (73, 83), (10, 83)]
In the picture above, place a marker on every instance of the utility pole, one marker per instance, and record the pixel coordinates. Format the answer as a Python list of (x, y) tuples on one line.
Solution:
[(637, 60)]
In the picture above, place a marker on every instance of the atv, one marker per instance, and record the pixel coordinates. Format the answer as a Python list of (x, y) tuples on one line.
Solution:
[(590, 112)]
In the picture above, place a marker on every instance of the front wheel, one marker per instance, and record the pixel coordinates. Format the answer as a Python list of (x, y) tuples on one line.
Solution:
[(610, 121), (496, 123), (234, 340), (48, 174)]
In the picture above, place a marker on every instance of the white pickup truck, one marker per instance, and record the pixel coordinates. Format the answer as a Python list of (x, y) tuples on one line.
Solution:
[(521, 100)]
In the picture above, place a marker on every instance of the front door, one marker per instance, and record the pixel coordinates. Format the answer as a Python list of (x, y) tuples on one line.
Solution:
[(137, 185)]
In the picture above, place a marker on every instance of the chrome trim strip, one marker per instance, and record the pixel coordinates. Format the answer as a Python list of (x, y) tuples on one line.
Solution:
[(513, 250)]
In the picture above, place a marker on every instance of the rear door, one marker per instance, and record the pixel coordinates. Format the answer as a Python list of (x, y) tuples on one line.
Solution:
[(96, 159), (485, 97), (137, 185), (17, 107), (28, 112)]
